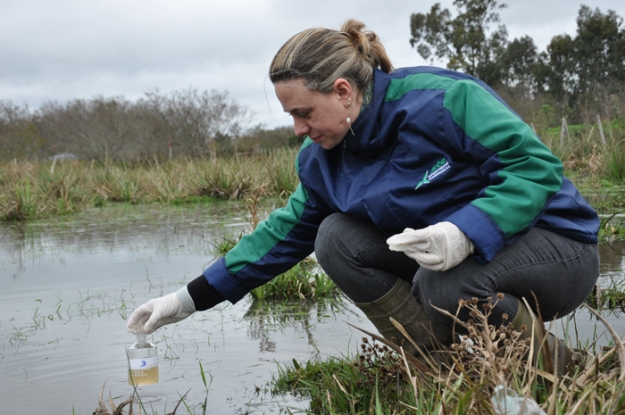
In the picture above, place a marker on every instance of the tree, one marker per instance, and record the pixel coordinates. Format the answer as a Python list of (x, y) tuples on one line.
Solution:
[(192, 121), (187, 122), (599, 48), (465, 41), (584, 73), (101, 128), (556, 75), (19, 134), (519, 62)]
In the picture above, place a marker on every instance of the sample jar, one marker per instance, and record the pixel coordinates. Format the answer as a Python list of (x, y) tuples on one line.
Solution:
[(142, 362)]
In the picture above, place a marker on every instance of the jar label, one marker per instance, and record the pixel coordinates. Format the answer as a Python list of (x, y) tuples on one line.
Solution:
[(144, 364)]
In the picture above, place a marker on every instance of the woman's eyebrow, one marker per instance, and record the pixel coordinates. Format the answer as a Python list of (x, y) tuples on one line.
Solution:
[(297, 109)]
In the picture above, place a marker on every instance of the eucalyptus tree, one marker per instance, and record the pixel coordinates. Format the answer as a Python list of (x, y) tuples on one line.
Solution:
[(465, 41), (586, 73), (519, 63)]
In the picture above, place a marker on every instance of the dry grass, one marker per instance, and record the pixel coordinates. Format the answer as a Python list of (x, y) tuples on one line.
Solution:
[(41, 189), (462, 379), (488, 357), (128, 404)]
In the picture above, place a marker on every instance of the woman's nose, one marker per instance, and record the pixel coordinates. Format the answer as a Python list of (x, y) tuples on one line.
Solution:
[(300, 127)]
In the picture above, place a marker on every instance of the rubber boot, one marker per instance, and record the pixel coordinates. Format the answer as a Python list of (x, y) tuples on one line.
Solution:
[(401, 305), (557, 357)]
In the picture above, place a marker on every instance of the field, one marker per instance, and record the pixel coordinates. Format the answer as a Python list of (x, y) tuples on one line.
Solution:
[(377, 380)]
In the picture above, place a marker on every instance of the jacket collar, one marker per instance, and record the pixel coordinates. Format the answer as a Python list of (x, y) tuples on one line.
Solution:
[(367, 138)]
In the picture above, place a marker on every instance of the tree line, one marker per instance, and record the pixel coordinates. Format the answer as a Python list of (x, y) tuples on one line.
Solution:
[(187, 123), (577, 76)]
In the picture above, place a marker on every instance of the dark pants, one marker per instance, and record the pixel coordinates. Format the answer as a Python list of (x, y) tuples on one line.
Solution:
[(556, 271)]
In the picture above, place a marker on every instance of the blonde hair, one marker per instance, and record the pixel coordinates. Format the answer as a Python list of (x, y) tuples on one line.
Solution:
[(320, 56)]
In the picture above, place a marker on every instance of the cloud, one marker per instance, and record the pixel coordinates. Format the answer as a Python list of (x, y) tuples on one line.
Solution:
[(71, 49)]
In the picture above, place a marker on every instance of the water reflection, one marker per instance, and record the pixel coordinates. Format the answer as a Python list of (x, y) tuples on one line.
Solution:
[(69, 283), (118, 230), (612, 258), (266, 317)]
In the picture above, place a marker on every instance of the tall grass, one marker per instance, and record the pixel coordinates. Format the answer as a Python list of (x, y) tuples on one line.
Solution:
[(381, 379), (31, 191), (41, 189), (281, 170), (113, 182), (36, 190), (615, 162), (582, 148), (227, 178)]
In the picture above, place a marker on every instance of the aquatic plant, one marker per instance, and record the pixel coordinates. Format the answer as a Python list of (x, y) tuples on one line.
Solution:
[(610, 298), (280, 165), (615, 162), (304, 281), (28, 192), (115, 183), (118, 409), (32, 190), (381, 379), (39, 189)]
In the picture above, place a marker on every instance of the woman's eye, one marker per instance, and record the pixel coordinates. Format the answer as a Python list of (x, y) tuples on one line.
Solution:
[(305, 114)]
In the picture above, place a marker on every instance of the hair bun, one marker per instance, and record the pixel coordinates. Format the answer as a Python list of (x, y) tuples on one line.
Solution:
[(319, 56)]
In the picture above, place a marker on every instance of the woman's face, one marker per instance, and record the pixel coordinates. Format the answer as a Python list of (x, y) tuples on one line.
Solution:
[(322, 117)]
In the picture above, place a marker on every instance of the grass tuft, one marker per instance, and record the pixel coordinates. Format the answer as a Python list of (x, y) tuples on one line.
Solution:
[(378, 380)]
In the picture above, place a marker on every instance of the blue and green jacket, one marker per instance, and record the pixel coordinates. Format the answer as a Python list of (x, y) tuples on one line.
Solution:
[(433, 145)]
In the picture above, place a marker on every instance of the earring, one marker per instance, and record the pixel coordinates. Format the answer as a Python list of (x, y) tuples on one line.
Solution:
[(349, 123), (349, 103)]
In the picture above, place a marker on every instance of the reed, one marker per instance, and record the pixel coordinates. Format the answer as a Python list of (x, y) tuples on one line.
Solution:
[(30, 191), (18, 202), (114, 183), (615, 162), (33, 190), (40, 189), (282, 175), (381, 381), (230, 179), (203, 375), (586, 148), (611, 298), (63, 190), (165, 183)]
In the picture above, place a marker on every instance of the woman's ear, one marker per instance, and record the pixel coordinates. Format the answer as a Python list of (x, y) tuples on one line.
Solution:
[(343, 89)]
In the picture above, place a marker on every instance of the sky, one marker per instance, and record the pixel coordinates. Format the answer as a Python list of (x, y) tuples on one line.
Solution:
[(75, 49)]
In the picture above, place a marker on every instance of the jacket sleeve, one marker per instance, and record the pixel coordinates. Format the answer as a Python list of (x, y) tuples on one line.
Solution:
[(275, 246), (520, 173)]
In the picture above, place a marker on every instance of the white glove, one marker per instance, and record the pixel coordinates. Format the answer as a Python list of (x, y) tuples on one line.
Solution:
[(161, 311), (438, 247)]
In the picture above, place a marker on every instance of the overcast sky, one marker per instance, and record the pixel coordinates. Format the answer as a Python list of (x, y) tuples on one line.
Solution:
[(67, 49)]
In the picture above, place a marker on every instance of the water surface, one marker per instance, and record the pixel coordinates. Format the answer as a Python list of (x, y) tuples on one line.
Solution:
[(68, 285)]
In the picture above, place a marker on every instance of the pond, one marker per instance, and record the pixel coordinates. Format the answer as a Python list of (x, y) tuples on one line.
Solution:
[(68, 285)]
